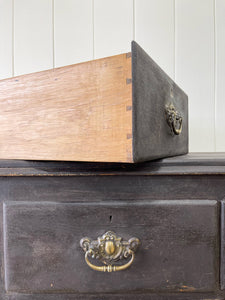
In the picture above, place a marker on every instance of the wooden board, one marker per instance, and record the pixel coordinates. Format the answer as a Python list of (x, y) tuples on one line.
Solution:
[(153, 90), (80, 112), (107, 110), (179, 245), (222, 267), (71, 191)]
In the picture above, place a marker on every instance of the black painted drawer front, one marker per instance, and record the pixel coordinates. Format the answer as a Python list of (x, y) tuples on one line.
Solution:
[(222, 268), (179, 247)]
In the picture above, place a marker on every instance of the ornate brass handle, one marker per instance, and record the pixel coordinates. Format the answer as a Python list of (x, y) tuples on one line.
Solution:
[(108, 249), (174, 119)]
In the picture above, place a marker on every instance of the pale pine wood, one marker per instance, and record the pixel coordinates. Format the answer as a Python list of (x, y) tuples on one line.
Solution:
[(81, 112)]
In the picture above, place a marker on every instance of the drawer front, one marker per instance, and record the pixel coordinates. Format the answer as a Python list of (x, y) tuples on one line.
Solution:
[(160, 110), (222, 267), (178, 251)]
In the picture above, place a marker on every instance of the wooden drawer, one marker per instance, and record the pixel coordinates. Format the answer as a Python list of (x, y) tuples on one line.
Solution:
[(222, 267), (178, 251), (122, 108)]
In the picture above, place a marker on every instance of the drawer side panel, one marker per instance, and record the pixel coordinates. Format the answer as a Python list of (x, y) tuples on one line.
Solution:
[(81, 112)]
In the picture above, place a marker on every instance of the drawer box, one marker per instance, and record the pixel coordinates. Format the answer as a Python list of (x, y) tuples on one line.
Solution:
[(178, 251), (122, 108)]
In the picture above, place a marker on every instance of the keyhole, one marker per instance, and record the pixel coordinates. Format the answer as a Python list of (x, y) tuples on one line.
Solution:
[(110, 218)]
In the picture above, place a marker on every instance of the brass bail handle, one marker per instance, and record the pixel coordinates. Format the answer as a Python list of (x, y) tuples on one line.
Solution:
[(108, 249), (174, 119)]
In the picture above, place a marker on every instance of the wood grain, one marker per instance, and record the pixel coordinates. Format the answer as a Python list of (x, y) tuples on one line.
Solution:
[(77, 112), (99, 111)]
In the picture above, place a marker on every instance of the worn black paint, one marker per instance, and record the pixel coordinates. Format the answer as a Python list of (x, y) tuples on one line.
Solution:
[(42, 246), (152, 90), (108, 187)]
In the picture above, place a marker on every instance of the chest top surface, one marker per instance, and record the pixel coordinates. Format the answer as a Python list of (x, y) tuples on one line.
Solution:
[(190, 164)]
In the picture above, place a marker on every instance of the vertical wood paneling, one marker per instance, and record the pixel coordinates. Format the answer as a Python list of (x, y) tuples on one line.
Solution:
[(73, 31), (154, 31), (220, 75), (181, 43), (6, 13), (195, 68), (33, 35), (113, 27)]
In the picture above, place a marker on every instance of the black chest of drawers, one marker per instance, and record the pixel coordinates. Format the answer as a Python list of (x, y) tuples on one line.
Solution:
[(173, 206)]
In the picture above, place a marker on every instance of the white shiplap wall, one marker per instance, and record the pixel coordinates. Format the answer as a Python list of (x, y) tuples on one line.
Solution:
[(185, 37)]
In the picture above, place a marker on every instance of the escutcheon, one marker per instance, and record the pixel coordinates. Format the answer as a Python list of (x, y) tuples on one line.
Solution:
[(109, 249)]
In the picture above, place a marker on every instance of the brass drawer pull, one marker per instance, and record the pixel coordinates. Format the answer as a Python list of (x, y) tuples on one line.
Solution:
[(108, 249), (174, 119)]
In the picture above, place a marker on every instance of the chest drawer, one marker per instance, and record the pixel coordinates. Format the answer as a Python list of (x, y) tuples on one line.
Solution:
[(178, 250), (122, 108)]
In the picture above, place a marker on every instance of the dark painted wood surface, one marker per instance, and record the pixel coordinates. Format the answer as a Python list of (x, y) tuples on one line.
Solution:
[(196, 177), (127, 296), (222, 267), (193, 164), (153, 90), (179, 247)]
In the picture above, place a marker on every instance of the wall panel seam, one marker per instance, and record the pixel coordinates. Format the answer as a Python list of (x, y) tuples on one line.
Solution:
[(13, 38), (215, 75), (134, 23), (175, 39), (53, 33), (93, 27)]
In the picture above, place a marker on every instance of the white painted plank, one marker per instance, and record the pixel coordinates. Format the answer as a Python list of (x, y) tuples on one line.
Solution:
[(33, 36), (220, 75), (113, 27), (154, 31), (73, 31), (6, 39), (194, 70)]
